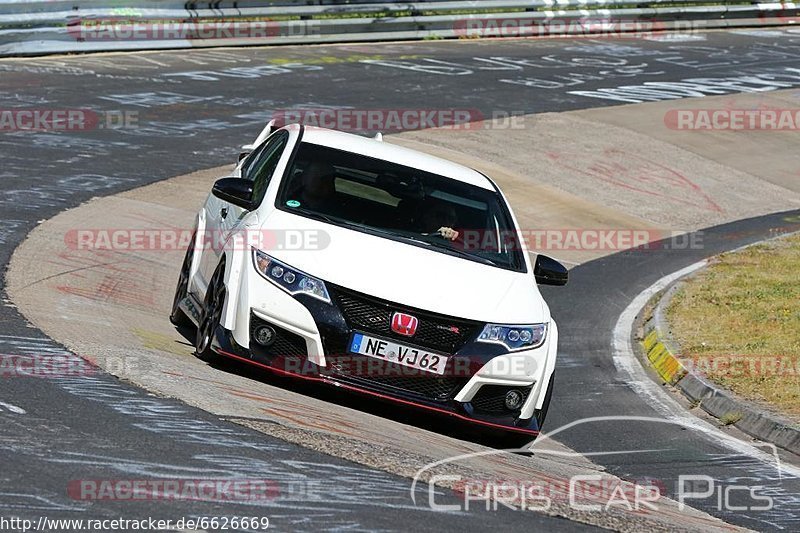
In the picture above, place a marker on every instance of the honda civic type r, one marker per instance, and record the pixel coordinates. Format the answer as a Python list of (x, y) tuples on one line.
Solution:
[(412, 283)]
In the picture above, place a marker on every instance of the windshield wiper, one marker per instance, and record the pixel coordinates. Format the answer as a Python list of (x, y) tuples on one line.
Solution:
[(446, 249), (362, 227), (468, 255), (326, 218), (398, 235), (409, 238)]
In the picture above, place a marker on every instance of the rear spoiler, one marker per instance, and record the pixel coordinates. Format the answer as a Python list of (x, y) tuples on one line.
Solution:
[(267, 131)]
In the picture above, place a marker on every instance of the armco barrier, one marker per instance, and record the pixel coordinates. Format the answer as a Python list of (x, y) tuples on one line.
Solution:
[(53, 26)]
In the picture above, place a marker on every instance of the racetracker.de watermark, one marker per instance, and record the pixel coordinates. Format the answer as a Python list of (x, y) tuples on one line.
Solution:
[(577, 239), (65, 120), (118, 29), (470, 240), (594, 27), (786, 119), (375, 367), (215, 490), (743, 365), (171, 239), (44, 366), (399, 119)]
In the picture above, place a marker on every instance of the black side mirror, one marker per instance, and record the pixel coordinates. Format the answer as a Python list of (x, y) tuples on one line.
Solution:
[(237, 191), (548, 271)]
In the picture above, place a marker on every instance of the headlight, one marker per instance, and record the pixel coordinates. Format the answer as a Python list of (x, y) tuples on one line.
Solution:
[(289, 279), (514, 337)]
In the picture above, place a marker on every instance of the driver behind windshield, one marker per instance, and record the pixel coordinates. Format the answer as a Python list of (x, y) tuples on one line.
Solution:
[(440, 218), (318, 191)]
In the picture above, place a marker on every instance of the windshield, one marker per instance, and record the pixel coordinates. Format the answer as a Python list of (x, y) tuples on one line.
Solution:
[(401, 203)]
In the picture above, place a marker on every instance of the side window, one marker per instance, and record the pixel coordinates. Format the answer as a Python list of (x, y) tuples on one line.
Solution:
[(261, 165)]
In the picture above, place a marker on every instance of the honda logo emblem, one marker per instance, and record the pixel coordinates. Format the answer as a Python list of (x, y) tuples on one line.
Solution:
[(404, 324)]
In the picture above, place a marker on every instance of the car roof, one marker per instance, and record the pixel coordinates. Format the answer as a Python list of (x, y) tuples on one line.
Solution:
[(393, 153)]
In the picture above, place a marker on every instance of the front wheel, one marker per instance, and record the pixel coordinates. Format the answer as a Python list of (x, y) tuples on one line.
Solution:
[(211, 316)]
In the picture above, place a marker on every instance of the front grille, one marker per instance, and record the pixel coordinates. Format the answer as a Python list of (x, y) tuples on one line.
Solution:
[(372, 315), (431, 387), (491, 399), (287, 344)]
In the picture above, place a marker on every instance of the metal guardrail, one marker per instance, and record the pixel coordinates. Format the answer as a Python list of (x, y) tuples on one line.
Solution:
[(58, 26)]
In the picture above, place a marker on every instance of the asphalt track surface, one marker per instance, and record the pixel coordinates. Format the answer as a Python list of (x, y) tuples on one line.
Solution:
[(195, 109)]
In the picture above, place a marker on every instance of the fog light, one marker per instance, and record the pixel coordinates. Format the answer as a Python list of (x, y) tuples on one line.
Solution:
[(265, 336), (513, 400)]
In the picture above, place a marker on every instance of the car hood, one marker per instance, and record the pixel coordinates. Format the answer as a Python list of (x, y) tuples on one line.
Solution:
[(407, 274)]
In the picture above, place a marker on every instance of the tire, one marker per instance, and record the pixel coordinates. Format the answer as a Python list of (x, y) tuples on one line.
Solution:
[(210, 316), (541, 414), (177, 316)]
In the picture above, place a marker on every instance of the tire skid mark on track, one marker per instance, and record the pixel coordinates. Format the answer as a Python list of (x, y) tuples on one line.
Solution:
[(12, 409), (303, 415), (206, 148), (303, 482), (639, 175)]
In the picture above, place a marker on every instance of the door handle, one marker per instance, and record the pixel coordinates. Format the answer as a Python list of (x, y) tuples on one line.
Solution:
[(223, 213)]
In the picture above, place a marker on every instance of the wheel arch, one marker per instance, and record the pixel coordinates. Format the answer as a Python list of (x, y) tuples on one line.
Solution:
[(550, 366), (236, 258)]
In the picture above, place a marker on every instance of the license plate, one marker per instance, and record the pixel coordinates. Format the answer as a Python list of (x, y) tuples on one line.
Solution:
[(398, 353)]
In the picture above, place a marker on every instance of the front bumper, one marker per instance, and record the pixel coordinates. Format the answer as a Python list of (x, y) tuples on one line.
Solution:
[(312, 341)]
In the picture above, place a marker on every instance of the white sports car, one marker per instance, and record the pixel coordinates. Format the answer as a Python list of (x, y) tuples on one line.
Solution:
[(345, 260)]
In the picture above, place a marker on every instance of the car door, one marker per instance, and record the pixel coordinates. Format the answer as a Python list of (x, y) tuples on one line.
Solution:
[(223, 219)]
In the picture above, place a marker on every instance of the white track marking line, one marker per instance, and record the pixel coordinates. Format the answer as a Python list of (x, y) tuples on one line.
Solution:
[(13, 408), (626, 362)]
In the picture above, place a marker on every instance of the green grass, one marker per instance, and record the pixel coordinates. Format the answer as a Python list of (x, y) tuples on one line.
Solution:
[(730, 418), (738, 322)]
